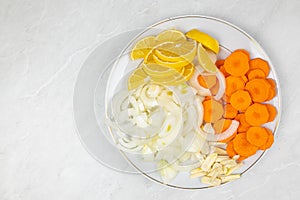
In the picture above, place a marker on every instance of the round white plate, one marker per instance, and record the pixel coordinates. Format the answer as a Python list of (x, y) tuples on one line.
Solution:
[(230, 38)]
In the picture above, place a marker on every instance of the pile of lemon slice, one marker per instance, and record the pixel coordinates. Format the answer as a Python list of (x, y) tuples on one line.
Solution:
[(168, 57)]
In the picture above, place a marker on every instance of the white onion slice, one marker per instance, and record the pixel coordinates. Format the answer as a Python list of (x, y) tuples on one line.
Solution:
[(195, 84), (222, 136), (222, 85), (208, 128), (200, 111)]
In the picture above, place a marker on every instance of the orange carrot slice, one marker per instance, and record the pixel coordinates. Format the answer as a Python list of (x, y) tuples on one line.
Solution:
[(256, 73), (207, 81), (257, 88), (244, 51), (219, 63), (226, 98), (233, 84), (213, 111), (272, 112), (242, 128), (271, 93), (237, 64), (214, 89), (245, 79), (240, 100), (222, 69), (242, 146), (257, 136), (272, 82), (259, 63), (269, 142), (257, 114), (230, 150), (229, 111), (242, 119), (221, 125), (241, 158)]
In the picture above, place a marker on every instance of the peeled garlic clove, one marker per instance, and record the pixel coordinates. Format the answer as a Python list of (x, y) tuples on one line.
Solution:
[(196, 175), (209, 161), (219, 151), (230, 177), (232, 169)]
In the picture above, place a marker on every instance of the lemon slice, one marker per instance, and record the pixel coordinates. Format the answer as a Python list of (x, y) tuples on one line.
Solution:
[(158, 70), (176, 51), (143, 47), (157, 74), (205, 39), (137, 78), (170, 35), (205, 61), (175, 65), (188, 71)]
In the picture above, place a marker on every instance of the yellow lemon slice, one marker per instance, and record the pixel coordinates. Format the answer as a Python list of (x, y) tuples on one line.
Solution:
[(159, 71), (143, 47), (137, 78), (188, 71), (170, 35), (176, 51), (205, 39), (204, 60), (175, 65)]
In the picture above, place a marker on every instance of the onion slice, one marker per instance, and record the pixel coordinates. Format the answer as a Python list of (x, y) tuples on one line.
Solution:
[(222, 136), (222, 85), (195, 84)]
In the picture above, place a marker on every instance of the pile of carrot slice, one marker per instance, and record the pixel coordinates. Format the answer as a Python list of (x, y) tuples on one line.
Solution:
[(248, 90)]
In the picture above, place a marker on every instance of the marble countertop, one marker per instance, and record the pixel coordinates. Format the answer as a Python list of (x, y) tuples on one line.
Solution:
[(43, 45)]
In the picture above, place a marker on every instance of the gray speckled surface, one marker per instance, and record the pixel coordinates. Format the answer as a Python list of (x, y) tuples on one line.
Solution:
[(43, 45)]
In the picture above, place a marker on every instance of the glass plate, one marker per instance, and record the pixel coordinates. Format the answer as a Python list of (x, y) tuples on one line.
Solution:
[(230, 38)]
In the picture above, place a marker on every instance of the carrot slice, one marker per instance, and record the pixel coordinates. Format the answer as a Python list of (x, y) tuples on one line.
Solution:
[(256, 73), (241, 158), (229, 111), (240, 100), (230, 150), (233, 84), (221, 125), (207, 81), (219, 63), (242, 128), (257, 136), (271, 93), (222, 69), (272, 112), (214, 89), (259, 63), (269, 142), (257, 114), (236, 63), (242, 119), (207, 98), (272, 82), (226, 98), (257, 88), (242, 146), (244, 51), (213, 111), (245, 79)]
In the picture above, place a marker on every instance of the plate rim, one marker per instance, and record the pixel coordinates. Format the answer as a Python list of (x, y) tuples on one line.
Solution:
[(255, 43)]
